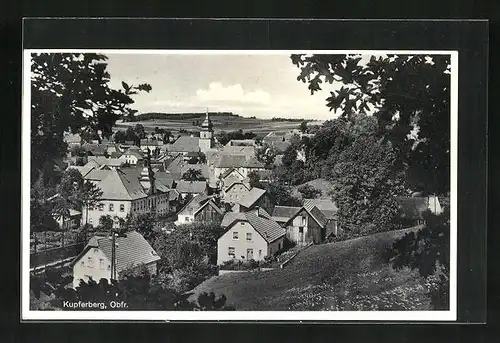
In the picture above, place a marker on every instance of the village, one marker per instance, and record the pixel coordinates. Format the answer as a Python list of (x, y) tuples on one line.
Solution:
[(213, 210), (194, 179)]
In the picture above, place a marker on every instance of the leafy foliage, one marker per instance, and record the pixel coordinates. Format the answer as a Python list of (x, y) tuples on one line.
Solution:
[(224, 137), (193, 175), (309, 192), (71, 92), (409, 95), (280, 195)]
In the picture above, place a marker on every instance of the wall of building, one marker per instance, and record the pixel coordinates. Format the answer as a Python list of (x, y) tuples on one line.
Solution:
[(293, 231), (235, 194), (240, 245), (92, 264), (208, 214), (95, 214)]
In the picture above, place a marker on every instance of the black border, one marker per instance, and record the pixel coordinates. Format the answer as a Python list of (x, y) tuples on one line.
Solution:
[(470, 38)]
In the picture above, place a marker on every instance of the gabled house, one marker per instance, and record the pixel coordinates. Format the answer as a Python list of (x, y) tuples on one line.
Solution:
[(96, 258), (249, 236), (133, 156), (329, 210), (234, 189), (256, 198), (411, 209), (185, 188), (306, 226), (112, 163), (242, 163), (282, 214), (200, 208), (184, 145)]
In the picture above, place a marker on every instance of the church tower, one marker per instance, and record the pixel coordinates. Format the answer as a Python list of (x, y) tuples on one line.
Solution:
[(206, 134)]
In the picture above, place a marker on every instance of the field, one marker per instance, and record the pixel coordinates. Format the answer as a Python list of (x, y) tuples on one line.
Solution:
[(220, 123), (347, 275)]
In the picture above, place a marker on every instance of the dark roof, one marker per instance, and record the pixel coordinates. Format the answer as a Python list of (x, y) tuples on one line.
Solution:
[(151, 142), (284, 213), (134, 152), (252, 197), (97, 174), (412, 208), (210, 202), (268, 228), (185, 144), (119, 185), (314, 212), (326, 206), (193, 204), (131, 250)]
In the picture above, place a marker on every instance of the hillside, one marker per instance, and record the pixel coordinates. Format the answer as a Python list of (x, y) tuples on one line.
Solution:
[(347, 275), (221, 121)]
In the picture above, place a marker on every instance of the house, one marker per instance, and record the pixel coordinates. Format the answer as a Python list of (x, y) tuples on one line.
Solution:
[(185, 188), (412, 208), (84, 170), (95, 149), (96, 258), (184, 145), (306, 226), (124, 192), (256, 198), (73, 221), (249, 236), (200, 208), (96, 175), (133, 156), (112, 163), (282, 214), (234, 190), (244, 150), (242, 163), (72, 140), (329, 209)]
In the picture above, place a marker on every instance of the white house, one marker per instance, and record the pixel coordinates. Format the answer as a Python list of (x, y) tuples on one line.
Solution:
[(124, 192), (133, 156), (95, 261), (249, 236)]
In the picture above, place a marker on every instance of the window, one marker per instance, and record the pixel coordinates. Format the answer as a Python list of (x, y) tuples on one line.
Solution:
[(301, 230), (230, 252), (90, 262), (109, 267), (101, 263), (235, 234), (303, 221), (241, 223), (82, 263), (260, 253), (186, 219), (101, 207), (90, 220), (249, 254), (122, 208), (111, 207), (249, 236)]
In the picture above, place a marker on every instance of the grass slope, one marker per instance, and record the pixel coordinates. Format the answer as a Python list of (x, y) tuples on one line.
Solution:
[(347, 275)]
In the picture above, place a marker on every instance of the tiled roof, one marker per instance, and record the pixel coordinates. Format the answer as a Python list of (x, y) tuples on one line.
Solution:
[(229, 171), (239, 150), (326, 206), (84, 170), (212, 203), (231, 217), (241, 142), (191, 186), (96, 149), (130, 251), (237, 161), (252, 197), (193, 204), (231, 181), (314, 212), (185, 144), (173, 195), (102, 160), (284, 213), (119, 185), (151, 142), (97, 175), (269, 229), (412, 208)]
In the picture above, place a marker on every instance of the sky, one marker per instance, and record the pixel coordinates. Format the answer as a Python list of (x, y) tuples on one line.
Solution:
[(263, 86)]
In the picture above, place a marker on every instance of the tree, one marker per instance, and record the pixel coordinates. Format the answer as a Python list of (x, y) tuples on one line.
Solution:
[(303, 127), (78, 151), (166, 137), (120, 136), (427, 251), (140, 131), (68, 196), (409, 96), (202, 158), (90, 197), (106, 224), (254, 179), (309, 192), (71, 92), (193, 175), (266, 155), (280, 195), (143, 223)]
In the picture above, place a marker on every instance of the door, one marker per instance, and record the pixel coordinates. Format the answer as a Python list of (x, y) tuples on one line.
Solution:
[(301, 236), (249, 254)]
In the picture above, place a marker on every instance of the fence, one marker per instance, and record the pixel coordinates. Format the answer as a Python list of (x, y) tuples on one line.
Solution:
[(53, 256)]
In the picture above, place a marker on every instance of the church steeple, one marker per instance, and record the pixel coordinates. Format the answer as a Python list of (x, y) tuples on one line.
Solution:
[(206, 134)]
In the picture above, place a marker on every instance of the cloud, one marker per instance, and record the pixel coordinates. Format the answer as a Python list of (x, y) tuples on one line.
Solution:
[(234, 93)]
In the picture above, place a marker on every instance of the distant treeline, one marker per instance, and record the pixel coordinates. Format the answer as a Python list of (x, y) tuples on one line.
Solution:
[(288, 119), (178, 116)]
